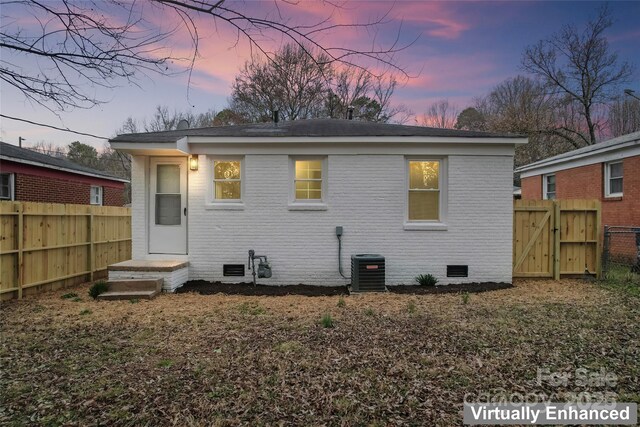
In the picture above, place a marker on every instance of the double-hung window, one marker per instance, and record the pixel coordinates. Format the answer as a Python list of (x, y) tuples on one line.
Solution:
[(307, 180), (6, 186), (227, 181), (549, 187), (96, 195), (613, 175), (425, 190)]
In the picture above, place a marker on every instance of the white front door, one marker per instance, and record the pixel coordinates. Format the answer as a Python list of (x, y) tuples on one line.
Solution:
[(168, 205)]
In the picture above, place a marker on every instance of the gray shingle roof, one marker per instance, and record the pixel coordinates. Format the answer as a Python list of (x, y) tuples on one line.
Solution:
[(589, 150), (308, 128), (10, 151)]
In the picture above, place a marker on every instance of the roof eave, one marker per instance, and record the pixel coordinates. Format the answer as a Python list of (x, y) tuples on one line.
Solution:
[(68, 170), (552, 161), (181, 145)]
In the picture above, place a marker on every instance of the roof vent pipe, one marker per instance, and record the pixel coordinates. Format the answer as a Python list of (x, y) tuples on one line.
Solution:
[(350, 113), (276, 116)]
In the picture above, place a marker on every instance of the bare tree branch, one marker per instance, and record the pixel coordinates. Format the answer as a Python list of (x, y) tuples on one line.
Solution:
[(83, 44)]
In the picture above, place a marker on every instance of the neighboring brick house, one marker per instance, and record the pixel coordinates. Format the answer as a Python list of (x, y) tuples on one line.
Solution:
[(608, 171), (29, 176)]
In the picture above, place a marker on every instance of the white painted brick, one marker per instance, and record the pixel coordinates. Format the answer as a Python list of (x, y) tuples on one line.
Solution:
[(366, 195)]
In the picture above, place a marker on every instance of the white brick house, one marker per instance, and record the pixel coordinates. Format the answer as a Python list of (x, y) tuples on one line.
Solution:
[(423, 198)]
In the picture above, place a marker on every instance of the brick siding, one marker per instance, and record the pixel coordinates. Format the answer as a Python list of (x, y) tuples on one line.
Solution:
[(35, 188), (587, 182)]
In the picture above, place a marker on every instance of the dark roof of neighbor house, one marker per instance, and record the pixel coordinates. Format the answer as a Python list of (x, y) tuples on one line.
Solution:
[(23, 155), (308, 128), (600, 147)]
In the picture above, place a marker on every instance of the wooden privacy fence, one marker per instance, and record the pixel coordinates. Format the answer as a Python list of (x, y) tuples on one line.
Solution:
[(47, 245), (552, 238)]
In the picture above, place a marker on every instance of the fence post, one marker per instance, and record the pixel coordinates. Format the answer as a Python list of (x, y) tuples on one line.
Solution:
[(91, 249), (556, 240), (20, 249), (605, 249), (599, 250)]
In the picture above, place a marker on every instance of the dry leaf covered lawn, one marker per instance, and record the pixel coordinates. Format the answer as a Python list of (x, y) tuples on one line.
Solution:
[(388, 359)]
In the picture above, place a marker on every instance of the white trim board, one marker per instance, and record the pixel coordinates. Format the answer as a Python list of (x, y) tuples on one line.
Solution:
[(592, 157)]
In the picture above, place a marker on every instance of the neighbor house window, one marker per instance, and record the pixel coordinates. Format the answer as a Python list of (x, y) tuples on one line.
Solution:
[(96, 195), (6, 186), (307, 179), (613, 179), (549, 187), (425, 186), (227, 180)]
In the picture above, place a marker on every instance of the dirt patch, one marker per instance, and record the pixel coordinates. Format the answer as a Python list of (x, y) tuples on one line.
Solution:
[(450, 289), (210, 288)]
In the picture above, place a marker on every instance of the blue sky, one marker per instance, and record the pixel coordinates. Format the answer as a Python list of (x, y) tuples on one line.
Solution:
[(464, 49)]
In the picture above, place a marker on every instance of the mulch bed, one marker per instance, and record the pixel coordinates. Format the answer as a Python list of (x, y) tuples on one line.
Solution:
[(210, 288), (449, 289)]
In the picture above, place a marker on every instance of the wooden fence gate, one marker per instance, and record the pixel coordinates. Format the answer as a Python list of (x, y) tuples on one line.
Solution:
[(552, 238)]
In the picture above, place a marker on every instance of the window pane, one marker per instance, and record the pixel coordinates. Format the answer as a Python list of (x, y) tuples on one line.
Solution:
[(551, 180), (615, 170), (309, 190), (4, 186), (168, 178), (308, 169), (168, 209), (615, 185), (424, 175), (551, 188), (551, 195), (424, 205), (228, 190), (226, 170)]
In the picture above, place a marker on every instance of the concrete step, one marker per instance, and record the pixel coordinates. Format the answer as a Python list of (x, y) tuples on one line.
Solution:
[(133, 285), (127, 295)]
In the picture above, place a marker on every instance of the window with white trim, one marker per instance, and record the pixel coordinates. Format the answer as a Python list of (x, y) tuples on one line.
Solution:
[(613, 175), (6, 186), (549, 187), (96, 195), (424, 200), (227, 180), (308, 180)]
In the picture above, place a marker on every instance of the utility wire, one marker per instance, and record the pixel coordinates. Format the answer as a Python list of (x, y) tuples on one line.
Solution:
[(52, 127)]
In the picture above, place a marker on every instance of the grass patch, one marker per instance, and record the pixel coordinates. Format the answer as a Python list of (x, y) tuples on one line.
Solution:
[(411, 307), (85, 312), (327, 321), (70, 295), (341, 302), (165, 363), (288, 347), (369, 311), (466, 296), (621, 279), (251, 308)]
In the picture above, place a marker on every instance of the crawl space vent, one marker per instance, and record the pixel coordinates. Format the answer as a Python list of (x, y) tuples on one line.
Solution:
[(233, 270), (457, 271)]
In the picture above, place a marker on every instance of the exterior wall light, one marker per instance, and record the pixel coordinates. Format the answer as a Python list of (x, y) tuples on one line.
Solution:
[(193, 163)]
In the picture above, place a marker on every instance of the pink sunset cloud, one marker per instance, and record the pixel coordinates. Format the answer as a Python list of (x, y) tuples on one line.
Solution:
[(221, 53)]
